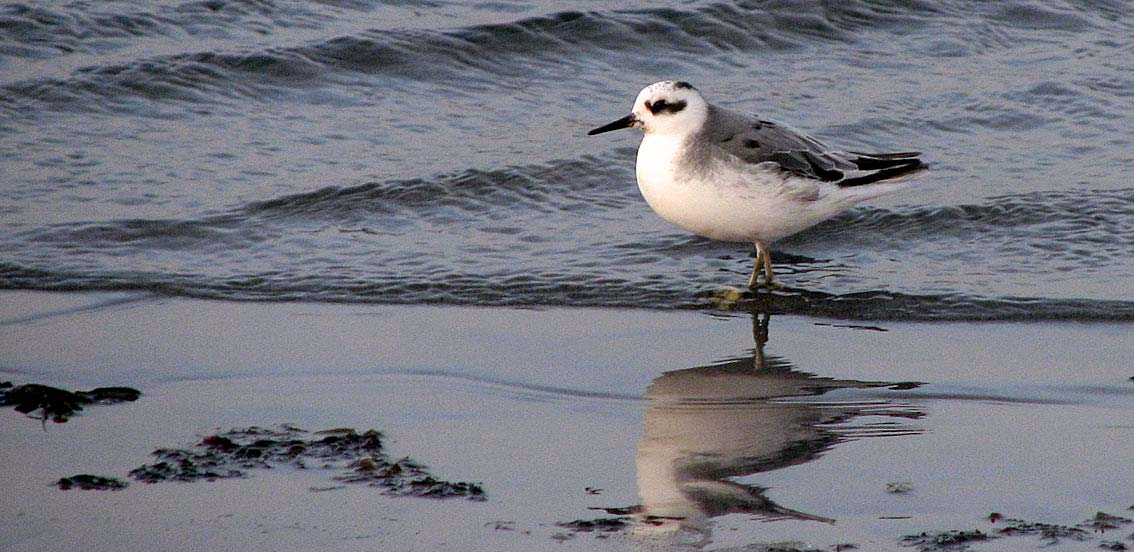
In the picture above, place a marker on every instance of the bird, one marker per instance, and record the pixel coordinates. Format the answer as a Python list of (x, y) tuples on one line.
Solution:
[(736, 177)]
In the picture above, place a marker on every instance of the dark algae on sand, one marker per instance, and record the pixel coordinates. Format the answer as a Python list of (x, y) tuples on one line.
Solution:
[(1048, 535), (359, 458), (58, 405)]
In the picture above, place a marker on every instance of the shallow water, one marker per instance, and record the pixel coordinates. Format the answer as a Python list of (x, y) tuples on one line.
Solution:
[(386, 152)]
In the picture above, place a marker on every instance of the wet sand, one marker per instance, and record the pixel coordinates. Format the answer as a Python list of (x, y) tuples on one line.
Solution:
[(677, 422)]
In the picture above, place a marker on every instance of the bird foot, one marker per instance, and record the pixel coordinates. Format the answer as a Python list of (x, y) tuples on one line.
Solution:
[(770, 286), (730, 294)]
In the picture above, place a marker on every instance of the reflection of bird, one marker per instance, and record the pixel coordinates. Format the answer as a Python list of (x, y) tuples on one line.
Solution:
[(705, 425), (730, 176)]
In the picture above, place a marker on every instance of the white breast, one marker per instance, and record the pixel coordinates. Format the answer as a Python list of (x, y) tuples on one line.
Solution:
[(656, 178)]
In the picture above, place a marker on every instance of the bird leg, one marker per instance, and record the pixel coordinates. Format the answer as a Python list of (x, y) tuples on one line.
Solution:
[(763, 260)]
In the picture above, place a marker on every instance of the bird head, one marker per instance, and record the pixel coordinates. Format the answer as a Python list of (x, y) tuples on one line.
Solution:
[(666, 107)]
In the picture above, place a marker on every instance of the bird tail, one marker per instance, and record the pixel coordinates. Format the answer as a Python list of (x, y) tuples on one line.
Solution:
[(882, 167)]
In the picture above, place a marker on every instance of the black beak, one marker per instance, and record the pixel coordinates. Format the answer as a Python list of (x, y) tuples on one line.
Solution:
[(625, 122)]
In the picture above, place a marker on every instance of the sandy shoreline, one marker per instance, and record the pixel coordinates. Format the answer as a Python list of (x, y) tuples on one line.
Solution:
[(1030, 420)]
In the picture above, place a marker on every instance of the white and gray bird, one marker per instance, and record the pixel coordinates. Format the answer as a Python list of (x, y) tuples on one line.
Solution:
[(736, 177)]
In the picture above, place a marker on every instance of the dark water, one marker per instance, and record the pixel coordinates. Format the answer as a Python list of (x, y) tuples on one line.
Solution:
[(434, 152)]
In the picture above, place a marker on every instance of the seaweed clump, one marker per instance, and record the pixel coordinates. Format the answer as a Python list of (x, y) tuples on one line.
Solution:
[(359, 457), (59, 405), (1051, 534), (945, 540), (1103, 522)]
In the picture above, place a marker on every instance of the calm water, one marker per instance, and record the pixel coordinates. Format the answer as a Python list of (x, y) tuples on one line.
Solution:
[(435, 152)]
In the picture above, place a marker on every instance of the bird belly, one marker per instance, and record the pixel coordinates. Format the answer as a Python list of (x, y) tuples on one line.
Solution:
[(721, 208)]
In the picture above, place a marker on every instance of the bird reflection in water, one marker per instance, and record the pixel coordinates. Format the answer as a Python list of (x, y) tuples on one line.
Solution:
[(705, 426)]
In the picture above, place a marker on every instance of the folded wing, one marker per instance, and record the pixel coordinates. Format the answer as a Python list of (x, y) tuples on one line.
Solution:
[(757, 140)]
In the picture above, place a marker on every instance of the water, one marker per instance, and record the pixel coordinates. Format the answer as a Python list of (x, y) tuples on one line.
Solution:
[(395, 152)]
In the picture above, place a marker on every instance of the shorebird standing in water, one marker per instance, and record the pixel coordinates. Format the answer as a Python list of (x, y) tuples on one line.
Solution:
[(736, 177)]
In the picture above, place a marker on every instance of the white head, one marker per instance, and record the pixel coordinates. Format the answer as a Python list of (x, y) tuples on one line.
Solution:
[(666, 107)]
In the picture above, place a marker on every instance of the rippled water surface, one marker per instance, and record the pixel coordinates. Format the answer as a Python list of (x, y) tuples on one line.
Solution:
[(396, 152)]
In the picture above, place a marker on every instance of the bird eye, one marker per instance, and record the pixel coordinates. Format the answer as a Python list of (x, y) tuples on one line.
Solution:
[(662, 106)]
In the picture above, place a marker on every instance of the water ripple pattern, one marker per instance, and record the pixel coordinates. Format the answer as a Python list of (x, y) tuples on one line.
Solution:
[(391, 152)]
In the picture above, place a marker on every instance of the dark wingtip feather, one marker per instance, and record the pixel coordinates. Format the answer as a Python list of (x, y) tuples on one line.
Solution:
[(880, 161), (902, 155), (897, 168)]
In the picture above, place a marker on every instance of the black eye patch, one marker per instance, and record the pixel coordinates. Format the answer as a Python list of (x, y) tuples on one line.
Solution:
[(662, 106)]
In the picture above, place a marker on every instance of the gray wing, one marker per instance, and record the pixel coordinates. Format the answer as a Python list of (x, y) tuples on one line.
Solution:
[(757, 140)]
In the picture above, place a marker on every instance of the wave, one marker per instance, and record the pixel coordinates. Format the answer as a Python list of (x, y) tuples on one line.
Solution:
[(1056, 222), (472, 56), (1099, 218), (37, 31), (562, 233), (534, 291), (254, 53), (563, 185)]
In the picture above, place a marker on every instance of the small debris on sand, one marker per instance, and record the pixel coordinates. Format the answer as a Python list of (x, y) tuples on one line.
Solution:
[(602, 525), (501, 525), (88, 482)]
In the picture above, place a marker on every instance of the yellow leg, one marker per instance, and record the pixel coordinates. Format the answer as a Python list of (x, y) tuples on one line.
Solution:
[(767, 266), (763, 261)]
